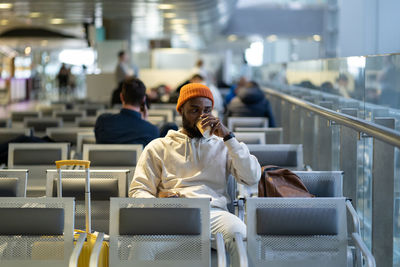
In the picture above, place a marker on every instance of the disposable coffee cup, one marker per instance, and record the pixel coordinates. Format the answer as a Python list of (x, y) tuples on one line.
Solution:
[(204, 131)]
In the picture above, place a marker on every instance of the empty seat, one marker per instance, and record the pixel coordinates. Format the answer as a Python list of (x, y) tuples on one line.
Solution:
[(234, 122), (168, 114), (103, 185), (86, 121), (170, 232), (250, 138), (37, 158), (84, 138), (5, 122), (113, 157), (67, 134), (37, 232), (112, 111), (272, 135), (283, 155), (156, 120), (298, 231), (18, 116), (69, 116), (9, 134), (90, 108), (13, 182), (41, 124)]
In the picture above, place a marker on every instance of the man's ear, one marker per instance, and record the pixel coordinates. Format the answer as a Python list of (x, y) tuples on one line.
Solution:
[(180, 111), (121, 97)]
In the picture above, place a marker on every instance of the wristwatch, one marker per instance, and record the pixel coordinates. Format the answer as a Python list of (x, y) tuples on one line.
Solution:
[(228, 136)]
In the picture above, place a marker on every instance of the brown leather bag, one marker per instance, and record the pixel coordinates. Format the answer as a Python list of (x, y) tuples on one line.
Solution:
[(278, 182)]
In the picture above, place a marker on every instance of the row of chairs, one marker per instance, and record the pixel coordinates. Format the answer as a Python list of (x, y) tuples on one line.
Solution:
[(176, 232), (38, 157)]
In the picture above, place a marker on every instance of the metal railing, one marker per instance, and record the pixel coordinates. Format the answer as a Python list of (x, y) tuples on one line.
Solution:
[(334, 138)]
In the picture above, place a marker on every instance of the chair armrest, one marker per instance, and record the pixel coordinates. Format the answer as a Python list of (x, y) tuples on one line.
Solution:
[(220, 250), (243, 261), (94, 256), (73, 260), (240, 205), (364, 250), (354, 216)]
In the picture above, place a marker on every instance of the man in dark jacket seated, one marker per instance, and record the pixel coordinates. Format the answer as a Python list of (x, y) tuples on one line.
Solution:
[(130, 125), (251, 102)]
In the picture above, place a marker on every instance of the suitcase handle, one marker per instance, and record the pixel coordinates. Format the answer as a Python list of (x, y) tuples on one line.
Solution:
[(72, 162), (85, 163)]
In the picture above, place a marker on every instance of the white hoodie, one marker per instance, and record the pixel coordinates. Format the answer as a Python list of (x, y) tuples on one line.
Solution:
[(193, 167)]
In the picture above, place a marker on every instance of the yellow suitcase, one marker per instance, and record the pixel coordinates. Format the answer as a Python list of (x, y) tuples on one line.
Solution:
[(89, 244)]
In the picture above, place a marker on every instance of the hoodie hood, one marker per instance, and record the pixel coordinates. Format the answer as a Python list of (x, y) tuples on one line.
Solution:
[(193, 146), (251, 95)]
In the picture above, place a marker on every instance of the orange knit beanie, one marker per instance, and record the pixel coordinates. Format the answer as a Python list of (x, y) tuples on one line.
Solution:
[(192, 90)]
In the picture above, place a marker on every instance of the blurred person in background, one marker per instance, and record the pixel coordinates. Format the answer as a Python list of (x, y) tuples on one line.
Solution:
[(63, 77), (251, 102), (232, 91), (124, 68)]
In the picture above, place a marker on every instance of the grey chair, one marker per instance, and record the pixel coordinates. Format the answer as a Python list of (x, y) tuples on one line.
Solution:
[(284, 155), (322, 183), (168, 114), (67, 134), (37, 158), (170, 232), (300, 232), (48, 238), (40, 125), (112, 111), (5, 122), (272, 135), (47, 111), (7, 134), (13, 182), (69, 116), (112, 157), (103, 185), (86, 121), (84, 138), (250, 138), (90, 108), (156, 120), (234, 122), (18, 116)]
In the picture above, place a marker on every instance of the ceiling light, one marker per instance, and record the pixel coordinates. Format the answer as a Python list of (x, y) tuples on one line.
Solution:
[(317, 37), (27, 50), (44, 43), (179, 21), (169, 15), (5, 5), (34, 14), (272, 38), (56, 21), (232, 38), (3, 22), (165, 6)]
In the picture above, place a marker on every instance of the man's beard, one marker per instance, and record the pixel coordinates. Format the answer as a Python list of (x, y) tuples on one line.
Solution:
[(192, 130)]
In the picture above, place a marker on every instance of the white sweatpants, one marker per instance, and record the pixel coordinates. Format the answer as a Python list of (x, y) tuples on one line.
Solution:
[(226, 223)]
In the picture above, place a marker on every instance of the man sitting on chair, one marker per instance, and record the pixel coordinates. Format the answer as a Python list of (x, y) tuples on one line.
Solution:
[(186, 164)]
